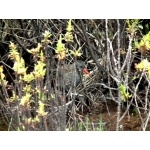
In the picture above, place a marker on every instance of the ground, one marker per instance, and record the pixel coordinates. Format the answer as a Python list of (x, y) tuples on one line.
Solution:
[(107, 115)]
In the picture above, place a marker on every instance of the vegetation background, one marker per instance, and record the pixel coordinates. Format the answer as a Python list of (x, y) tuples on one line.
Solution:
[(34, 54), (92, 9)]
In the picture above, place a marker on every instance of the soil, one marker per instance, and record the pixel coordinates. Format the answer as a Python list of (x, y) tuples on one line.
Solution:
[(108, 115)]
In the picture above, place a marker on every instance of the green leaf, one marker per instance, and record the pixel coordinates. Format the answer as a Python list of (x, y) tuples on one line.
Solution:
[(122, 88), (140, 26)]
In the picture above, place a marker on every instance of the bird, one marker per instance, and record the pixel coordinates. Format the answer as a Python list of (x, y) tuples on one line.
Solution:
[(73, 73)]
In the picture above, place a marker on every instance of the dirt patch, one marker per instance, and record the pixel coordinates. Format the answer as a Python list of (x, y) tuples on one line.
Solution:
[(130, 122)]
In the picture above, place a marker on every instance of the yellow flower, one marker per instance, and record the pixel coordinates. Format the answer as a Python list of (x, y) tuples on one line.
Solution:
[(41, 111), (76, 53), (25, 99)]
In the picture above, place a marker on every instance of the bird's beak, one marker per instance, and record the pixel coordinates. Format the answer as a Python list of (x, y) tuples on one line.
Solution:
[(86, 71)]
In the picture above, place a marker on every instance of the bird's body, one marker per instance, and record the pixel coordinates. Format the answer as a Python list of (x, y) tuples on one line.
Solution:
[(73, 73)]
